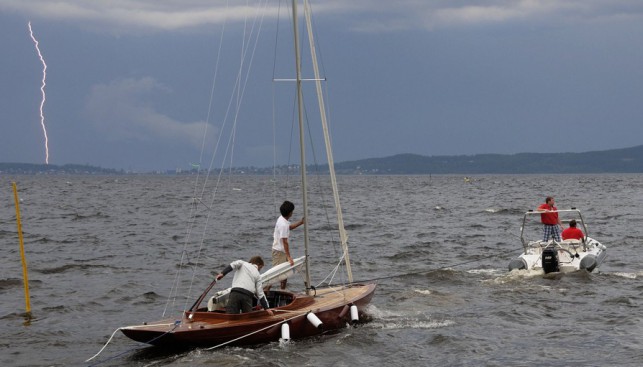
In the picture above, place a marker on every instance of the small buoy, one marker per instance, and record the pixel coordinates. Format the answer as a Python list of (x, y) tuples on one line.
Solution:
[(354, 314), (285, 331), (314, 320)]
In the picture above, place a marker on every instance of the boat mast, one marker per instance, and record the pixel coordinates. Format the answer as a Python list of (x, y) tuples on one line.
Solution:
[(343, 237), (302, 154)]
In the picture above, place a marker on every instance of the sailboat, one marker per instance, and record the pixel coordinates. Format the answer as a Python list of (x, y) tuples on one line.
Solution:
[(295, 314)]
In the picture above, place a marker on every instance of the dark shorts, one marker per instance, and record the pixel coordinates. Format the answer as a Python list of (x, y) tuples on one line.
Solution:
[(239, 301)]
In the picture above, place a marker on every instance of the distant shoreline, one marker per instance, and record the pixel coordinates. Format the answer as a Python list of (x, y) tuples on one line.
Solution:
[(626, 160)]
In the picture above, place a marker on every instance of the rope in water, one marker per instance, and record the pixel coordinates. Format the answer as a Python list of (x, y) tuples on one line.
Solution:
[(104, 346), (428, 271), (176, 324), (256, 331)]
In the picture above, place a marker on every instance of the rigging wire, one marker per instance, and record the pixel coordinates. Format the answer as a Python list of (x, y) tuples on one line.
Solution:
[(274, 113), (174, 288), (237, 94), (241, 84), (288, 173)]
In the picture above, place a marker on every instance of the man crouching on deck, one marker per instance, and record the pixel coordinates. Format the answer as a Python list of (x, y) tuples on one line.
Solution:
[(245, 285)]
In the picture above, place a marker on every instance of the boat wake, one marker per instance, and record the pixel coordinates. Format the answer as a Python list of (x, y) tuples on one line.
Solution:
[(628, 275), (394, 320), (491, 272), (514, 276), (409, 324)]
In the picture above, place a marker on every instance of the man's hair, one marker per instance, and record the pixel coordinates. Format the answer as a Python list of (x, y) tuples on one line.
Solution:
[(548, 199), (257, 260), (286, 208), (572, 223)]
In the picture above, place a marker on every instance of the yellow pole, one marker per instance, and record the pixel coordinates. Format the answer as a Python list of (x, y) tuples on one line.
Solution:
[(22, 252)]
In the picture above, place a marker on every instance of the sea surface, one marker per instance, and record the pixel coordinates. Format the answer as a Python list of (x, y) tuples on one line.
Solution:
[(105, 251)]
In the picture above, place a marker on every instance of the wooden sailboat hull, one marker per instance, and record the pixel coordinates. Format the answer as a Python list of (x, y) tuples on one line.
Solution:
[(210, 329)]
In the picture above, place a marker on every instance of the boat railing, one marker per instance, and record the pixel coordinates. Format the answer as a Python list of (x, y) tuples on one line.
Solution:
[(564, 245), (526, 243)]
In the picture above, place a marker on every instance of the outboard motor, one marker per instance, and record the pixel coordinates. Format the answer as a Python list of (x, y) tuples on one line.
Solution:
[(550, 260)]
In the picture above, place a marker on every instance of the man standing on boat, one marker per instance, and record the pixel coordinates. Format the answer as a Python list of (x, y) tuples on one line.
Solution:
[(280, 244), (245, 285), (550, 220)]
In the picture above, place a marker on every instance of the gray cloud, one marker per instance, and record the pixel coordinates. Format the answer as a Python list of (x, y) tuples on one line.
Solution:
[(121, 110), (135, 15), (361, 15)]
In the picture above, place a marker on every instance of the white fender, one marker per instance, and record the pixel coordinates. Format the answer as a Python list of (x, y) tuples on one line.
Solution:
[(285, 331), (314, 320), (354, 314)]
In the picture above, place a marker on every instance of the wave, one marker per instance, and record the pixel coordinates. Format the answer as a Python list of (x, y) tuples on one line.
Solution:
[(10, 283), (495, 211), (508, 211), (492, 272), (627, 275), (621, 301), (81, 217), (64, 268)]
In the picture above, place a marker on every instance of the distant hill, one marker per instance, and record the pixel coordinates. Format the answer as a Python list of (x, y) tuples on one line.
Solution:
[(627, 160), (30, 168)]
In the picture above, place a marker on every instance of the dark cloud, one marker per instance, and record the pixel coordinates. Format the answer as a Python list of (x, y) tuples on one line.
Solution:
[(131, 81)]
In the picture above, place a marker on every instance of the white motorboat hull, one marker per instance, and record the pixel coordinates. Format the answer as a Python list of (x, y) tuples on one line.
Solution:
[(565, 256)]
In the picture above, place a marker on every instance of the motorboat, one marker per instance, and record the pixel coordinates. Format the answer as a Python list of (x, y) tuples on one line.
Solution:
[(557, 256)]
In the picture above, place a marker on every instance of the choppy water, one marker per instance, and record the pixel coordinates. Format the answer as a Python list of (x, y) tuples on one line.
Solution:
[(103, 252)]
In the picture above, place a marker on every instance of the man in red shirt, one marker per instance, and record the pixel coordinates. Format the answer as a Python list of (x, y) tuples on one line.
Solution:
[(572, 233), (549, 218)]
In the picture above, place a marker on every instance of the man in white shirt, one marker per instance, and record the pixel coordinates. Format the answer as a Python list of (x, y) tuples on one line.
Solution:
[(245, 285), (280, 244)]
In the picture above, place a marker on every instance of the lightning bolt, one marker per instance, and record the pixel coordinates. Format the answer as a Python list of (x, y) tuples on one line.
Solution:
[(42, 91)]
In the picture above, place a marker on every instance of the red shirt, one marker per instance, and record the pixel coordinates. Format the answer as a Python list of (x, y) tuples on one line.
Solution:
[(572, 233), (548, 218)]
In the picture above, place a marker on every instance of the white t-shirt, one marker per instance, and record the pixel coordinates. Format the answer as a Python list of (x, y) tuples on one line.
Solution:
[(282, 230)]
